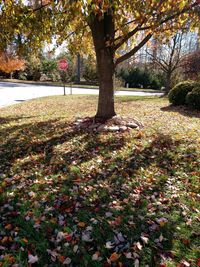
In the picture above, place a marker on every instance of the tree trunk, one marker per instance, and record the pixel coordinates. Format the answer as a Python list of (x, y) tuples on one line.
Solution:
[(103, 35), (168, 83), (105, 67)]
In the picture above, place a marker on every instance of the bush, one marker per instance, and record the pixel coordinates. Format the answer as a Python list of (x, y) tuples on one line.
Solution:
[(177, 95), (140, 78), (22, 76), (193, 98), (134, 77), (33, 75)]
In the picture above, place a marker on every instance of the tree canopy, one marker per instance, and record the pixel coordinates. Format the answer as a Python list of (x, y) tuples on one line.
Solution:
[(36, 21)]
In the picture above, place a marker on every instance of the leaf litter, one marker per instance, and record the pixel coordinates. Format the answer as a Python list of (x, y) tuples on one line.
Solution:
[(116, 199)]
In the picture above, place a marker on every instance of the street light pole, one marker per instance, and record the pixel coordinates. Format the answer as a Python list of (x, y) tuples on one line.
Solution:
[(78, 68)]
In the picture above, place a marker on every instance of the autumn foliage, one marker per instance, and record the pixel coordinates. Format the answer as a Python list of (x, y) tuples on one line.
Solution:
[(191, 65), (9, 63)]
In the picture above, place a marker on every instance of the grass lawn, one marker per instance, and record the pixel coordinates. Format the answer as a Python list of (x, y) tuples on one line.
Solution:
[(70, 198)]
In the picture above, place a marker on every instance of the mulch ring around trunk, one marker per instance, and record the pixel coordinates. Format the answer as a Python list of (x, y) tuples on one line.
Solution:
[(115, 124)]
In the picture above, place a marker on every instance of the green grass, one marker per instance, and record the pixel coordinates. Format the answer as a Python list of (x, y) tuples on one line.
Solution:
[(64, 193)]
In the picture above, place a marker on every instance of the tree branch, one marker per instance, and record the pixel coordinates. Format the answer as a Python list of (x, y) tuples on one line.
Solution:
[(162, 64), (134, 20), (139, 28), (134, 50), (40, 7), (184, 10), (126, 37)]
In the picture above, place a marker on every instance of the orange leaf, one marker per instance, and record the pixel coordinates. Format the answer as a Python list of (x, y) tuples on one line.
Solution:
[(81, 224), (114, 257), (8, 226), (61, 259), (25, 240), (5, 240), (186, 242)]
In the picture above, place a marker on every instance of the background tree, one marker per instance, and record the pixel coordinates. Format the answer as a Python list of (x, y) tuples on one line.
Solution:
[(168, 57), (8, 63), (108, 23), (141, 77), (191, 65), (90, 70)]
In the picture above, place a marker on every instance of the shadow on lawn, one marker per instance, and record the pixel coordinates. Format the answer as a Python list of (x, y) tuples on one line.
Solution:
[(5, 120), (183, 110), (24, 143), (114, 194)]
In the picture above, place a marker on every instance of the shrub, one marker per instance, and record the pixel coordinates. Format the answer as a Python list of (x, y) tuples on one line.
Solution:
[(193, 98), (140, 78), (177, 95), (135, 77), (22, 76)]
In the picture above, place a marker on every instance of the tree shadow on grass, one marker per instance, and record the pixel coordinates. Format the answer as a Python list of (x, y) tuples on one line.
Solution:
[(5, 120), (183, 110), (82, 180), (143, 191), (37, 143)]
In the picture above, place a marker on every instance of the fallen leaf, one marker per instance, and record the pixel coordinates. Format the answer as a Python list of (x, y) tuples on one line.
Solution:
[(8, 227), (161, 221), (95, 256), (75, 248), (138, 245), (136, 263), (32, 259), (67, 261), (145, 239), (129, 255), (81, 224), (109, 245), (114, 257)]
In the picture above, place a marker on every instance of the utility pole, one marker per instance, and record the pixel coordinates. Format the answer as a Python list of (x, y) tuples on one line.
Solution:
[(78, 68)]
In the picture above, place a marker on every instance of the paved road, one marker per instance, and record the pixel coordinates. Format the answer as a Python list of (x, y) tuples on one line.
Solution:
[(12, 93)]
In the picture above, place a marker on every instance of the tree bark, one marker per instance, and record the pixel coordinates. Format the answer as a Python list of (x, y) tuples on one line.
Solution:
[(103, 31), (168, 82), (105, 67)]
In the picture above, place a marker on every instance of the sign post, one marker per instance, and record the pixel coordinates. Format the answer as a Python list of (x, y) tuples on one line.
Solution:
[(63, 66)]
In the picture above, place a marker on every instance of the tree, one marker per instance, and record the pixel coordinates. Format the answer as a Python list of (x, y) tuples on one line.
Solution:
[(168, 57), (191, 65), (108, 23), (8, 63), (90, 70)]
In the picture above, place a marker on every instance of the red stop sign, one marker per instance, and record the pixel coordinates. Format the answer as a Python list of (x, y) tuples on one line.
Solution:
[(62, 64)]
